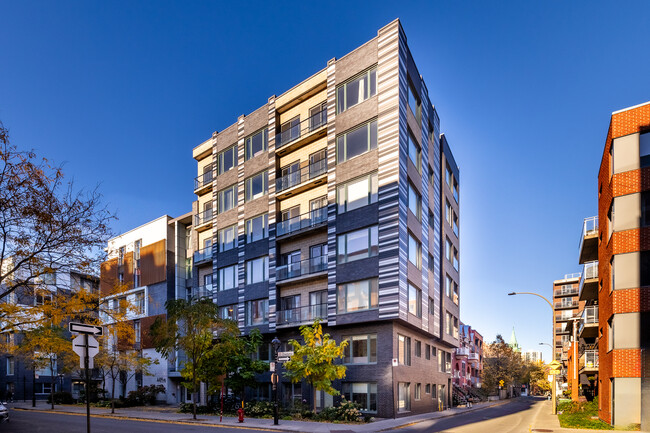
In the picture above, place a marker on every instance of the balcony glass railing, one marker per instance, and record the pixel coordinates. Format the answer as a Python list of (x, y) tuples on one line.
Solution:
[(301, 129), (203, 180), (310, 219), (566, 291), (589, 317), (302, 314), (566, 315), (589, 359), (301, 268), (589, 228), (290, 180), (590, 271), (203, 217), (200, 292), (567, 304), (204, 254), (462, 351)]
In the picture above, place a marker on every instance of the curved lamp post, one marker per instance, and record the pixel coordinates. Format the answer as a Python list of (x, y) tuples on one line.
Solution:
[(550, 304)]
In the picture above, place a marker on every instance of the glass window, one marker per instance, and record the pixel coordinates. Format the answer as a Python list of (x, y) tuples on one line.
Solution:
[(257, 186), (448, 324), (257, 228), (448, 284), (454, 189), (11, 364), (257, 312), (404, 350), (227, 312), (361, 349), (448, 249), (257, 270), (414, 102), (227, 278), (358, 244), (448, 212), (455, 259), (356, 90), (455, 224), (137, 329), (415, 300), (227, 238), (427, 352), (414, 201), (418, 348), (415, 251), (356, 296), (644, 149), (357, 193), (363, 394), (403, 397), (227, 159), (414, 152), (418, 391), (227, 198), (256, 144), (448, 176), (356, 142)]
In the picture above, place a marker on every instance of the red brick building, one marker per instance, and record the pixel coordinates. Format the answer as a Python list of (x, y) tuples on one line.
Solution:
[(623, 245)]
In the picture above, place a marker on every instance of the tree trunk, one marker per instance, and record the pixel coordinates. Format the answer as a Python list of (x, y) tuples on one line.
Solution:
[(53, 381), (313, 396), (112, 395)]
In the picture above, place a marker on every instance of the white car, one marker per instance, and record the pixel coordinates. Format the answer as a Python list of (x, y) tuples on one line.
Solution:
[(4, 413)]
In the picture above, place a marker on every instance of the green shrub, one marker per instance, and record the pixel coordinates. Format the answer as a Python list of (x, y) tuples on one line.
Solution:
[(187, 408), (144, 395), (346, 411), (61, 397), (258, 409)]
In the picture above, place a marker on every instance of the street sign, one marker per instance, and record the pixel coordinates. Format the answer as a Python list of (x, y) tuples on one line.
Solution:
[(83, 328), (283, 359), (271, 367), (501, 382), (554, 365), (554, 372), (79, 347), (285, 354)]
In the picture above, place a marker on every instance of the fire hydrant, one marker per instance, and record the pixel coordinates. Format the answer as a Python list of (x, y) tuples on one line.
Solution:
[(240, 415)]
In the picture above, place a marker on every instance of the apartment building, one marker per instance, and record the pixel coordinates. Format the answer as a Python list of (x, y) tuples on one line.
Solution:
[(154, 262), (17, 377), (567, 307), (468, 358), (339, 200), (623, 252), (534, 356)]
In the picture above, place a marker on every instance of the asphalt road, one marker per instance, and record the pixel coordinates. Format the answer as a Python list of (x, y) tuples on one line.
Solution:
[(39, 422), (514, 417)]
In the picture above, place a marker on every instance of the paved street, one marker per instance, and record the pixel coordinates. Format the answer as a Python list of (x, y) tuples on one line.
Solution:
[(40, 422)]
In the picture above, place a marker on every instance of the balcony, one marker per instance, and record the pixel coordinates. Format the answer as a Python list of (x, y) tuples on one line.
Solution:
[(462, 351), (566, 315), (473, 357), (196, 293), (203, 220), (589, 361), (589, 282), (302, 133), (301, 315), (301, 270), (302, 223), (589, 322), (176, 365), (203, 183), (203, 255), (566, 291), (301, 180), (563, 305), (561, 329), (588, 250)]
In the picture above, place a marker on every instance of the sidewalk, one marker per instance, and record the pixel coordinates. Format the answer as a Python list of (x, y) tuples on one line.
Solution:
[(169, 414), (547, 421)]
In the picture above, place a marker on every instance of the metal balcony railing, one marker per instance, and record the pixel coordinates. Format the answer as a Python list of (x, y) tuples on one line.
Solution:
[(302, 314), (176, 365), (589, 317), (203, 217), (301, 268), (589, 359), (590, 271), (473, 357), (589, 227), (310, 219), (564, 316), (567, 304), (313, 170), (566, 291), (203, 180), (204, 254), (462, 351), (200, 292), (301, 129)]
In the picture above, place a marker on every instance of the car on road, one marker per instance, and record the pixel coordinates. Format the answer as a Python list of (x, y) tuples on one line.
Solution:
[(4, 413)]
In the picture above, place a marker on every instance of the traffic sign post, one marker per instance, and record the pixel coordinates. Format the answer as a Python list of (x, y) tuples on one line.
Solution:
[(86, 347)]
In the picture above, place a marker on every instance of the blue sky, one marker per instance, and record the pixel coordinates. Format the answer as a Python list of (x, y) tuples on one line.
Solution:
[(122, 91)]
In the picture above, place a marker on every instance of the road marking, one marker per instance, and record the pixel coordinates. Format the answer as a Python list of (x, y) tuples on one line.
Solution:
[(198, 423)]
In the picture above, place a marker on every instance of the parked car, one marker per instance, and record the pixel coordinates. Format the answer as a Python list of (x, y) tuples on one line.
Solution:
[(4, 413)]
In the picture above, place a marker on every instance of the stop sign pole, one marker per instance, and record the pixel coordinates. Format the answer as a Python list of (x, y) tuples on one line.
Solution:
[(86, 330)]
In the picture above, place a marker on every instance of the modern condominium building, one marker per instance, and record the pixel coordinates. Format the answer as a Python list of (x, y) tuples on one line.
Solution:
[(339, 200), (567, 306), (623, 245)]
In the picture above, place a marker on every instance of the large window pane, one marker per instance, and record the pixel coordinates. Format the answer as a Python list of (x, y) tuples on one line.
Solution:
[(359, 295), (256, 144), (364, 394), (227, 159), (414, 251), (227, 198), (228, 238), (415, 300), (356, 90), (356, 142), (414, 151), (414, 201), (358, 244), (227, 278), (257, 312), (257, 186), (357, 193), (257, 270), (257, 228)]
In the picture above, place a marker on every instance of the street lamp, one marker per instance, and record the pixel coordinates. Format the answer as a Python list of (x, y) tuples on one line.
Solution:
[(274, 379), (550, 304)]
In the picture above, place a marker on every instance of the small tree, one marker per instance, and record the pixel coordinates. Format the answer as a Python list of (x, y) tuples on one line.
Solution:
[(191, 327), (314, 360), (500, 362), (48, 347)]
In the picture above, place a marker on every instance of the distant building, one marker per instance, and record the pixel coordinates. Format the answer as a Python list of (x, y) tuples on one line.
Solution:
[(513, 341), (567, 306), (468, 358), (534, 356)]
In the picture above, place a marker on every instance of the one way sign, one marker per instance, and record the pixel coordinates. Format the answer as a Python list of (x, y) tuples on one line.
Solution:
[(83, 328)]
